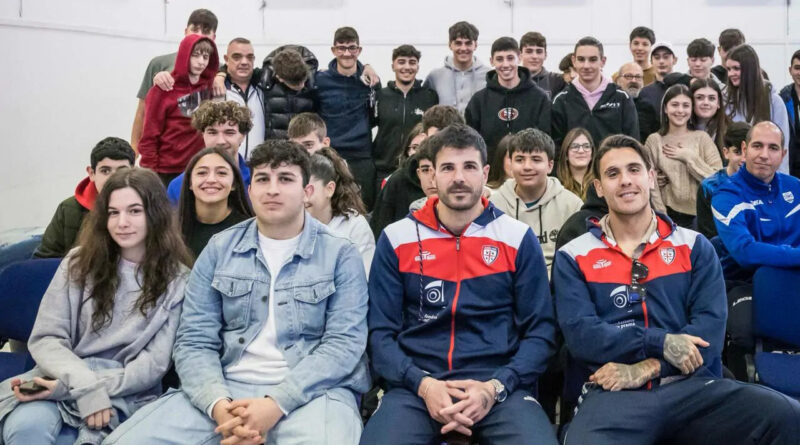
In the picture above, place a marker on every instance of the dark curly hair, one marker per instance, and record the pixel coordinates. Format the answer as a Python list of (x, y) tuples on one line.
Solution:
[(327, 166), (277, 152), (212, 113), (290, 67), (95, 263)]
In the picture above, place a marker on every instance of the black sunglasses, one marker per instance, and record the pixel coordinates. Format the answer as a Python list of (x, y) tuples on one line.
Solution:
[(636, 292)]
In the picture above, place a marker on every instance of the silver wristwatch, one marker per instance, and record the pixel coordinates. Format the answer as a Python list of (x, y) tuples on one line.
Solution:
[(499, 390)]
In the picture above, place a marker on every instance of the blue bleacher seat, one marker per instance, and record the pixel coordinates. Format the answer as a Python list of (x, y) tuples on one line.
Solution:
[(776, 306), (22, 286)]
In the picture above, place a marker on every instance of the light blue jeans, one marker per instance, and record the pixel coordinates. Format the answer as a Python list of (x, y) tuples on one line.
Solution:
[(37, 422), (328, 419)]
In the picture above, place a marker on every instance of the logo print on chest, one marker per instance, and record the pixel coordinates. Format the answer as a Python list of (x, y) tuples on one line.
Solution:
[(667, 255), (508, 114), (489, 254)]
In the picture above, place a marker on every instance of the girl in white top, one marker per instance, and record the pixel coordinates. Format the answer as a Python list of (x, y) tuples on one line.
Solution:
[(336, 202)]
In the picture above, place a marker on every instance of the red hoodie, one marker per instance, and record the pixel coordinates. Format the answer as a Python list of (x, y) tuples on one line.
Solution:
[(86, 193), (168, 139)]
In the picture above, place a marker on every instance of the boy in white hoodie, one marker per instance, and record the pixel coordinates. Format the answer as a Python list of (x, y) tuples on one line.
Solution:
[(532, 196)]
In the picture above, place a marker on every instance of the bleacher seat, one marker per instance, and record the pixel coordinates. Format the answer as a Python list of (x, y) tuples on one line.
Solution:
[(776, 306), (22, 286)]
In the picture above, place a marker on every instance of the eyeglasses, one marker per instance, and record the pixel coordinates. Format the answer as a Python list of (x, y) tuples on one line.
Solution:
[(341, 49), (632, 76), (581, 147), (636, 292)]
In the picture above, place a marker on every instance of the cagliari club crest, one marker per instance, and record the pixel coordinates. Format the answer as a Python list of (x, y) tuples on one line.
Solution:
[(489, 254), (667, 255)]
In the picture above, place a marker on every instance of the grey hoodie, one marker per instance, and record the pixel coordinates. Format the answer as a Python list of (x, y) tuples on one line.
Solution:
[(545, 217), (455, 87)]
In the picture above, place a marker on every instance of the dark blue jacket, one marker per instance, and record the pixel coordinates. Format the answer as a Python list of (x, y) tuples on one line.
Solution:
[(344, 104), (685, 295), (789, 96), (474, 306), (758, 223)]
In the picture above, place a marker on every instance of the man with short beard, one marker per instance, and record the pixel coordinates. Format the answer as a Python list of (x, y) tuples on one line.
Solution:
[(460, 314), (640, 302), (400, 106), (630, 79)]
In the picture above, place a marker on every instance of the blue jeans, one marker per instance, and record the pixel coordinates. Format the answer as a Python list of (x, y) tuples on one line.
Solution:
[(403, 419), (37, 422), (328, 419)]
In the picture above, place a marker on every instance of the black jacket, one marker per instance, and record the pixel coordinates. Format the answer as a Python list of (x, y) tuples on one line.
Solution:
[(401, 189), (496, 111), (614, 113), (395, 113), (789, 96), (575, 225), (282, 103), (551, 83)]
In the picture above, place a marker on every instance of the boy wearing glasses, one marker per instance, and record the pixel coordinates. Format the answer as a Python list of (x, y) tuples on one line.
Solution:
[(642, 306), (532, 196), (345, 101)]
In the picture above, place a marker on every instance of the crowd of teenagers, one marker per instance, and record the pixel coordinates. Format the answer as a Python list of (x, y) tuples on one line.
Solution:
[(254, 267)]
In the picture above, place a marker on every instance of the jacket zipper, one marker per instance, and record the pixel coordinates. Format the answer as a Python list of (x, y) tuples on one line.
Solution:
[(455, 304)]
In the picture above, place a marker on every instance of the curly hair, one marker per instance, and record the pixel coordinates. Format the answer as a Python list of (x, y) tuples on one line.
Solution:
[(290, 67), (276, 152), (95, 263), (327, 166), (212, 113)]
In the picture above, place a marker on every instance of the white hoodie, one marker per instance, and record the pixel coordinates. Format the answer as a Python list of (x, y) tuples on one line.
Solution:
[(545, 217)]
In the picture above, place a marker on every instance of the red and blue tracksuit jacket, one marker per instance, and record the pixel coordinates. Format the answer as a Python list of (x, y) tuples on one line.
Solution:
[(685, 295), (472, 306)]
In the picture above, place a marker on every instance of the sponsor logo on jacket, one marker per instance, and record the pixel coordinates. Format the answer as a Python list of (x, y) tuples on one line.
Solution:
[(609, 105), (508, 114)]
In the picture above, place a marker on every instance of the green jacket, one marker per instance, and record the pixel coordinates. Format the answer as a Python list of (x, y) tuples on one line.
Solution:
[(63, 229)]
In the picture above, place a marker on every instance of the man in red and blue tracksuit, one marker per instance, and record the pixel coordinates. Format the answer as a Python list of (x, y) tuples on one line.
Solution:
[(460, 318), (642, 306)]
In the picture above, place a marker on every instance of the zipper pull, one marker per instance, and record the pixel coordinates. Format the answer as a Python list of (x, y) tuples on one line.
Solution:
[(458, 243)]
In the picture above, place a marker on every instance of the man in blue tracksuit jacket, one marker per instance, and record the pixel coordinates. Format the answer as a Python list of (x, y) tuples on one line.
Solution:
[(641, 304), (757, 214), (461, 319)]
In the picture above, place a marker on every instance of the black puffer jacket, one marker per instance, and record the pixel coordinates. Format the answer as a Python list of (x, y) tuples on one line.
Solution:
[(281, 102)]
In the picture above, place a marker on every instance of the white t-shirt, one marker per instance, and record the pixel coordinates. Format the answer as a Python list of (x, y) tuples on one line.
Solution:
[(262, 362)]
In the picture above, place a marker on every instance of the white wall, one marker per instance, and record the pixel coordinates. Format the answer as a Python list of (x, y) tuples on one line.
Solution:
[(71, 69)]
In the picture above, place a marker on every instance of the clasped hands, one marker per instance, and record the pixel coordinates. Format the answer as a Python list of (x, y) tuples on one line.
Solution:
[(457, 404), (245, 421)]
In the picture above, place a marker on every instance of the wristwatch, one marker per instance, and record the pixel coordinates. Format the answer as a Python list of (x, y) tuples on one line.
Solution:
[(499, 390)]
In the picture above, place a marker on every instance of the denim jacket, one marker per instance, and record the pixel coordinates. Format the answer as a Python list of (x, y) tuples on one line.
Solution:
[(321, 304)]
